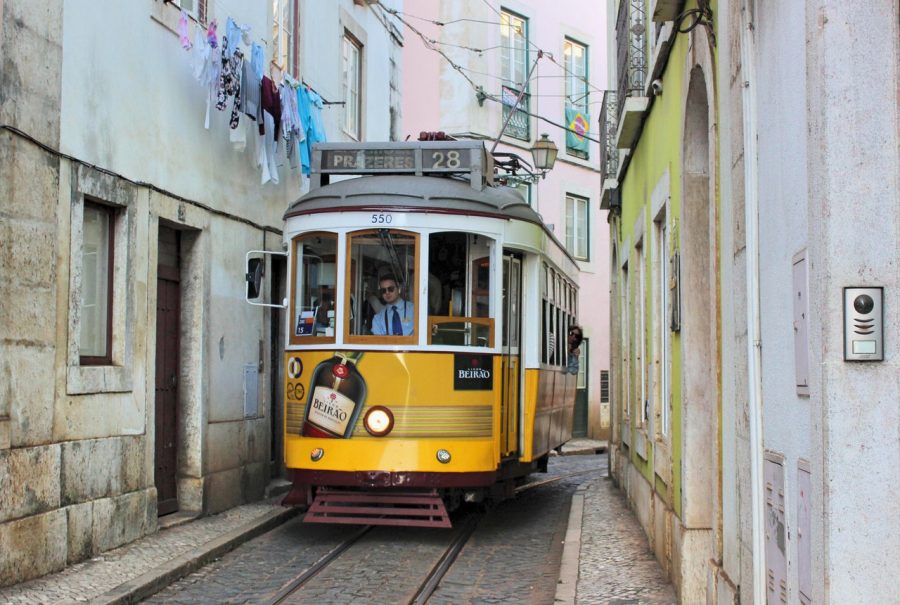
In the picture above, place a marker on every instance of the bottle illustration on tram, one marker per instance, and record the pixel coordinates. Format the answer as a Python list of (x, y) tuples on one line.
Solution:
[(337, 394)]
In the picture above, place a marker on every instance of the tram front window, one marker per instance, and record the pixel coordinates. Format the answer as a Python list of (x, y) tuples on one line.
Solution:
[(382, 282), (459, 297), (314, 303)]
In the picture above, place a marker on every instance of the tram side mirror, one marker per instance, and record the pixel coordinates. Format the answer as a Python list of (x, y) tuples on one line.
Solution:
[(256, 268), (254, 272)]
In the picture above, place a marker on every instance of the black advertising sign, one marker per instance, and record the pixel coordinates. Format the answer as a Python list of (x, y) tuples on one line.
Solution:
[(473, 372)]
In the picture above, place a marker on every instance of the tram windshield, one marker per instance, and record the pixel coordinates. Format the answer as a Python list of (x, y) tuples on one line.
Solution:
[(314, 302), (459, 289), (384, 300), (382, 283)]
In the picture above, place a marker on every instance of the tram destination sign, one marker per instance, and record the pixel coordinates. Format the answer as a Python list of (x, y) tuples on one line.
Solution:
[(412, 160)]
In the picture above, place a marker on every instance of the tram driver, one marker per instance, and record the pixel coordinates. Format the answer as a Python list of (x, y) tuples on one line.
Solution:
[(398, 317)]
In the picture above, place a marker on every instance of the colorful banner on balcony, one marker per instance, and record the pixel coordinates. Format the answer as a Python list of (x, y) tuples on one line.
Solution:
[(579, 125), (508, 96)]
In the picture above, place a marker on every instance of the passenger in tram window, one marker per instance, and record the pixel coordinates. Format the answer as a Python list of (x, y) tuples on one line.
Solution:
[(398, 316), (575, 338), (325, 314)]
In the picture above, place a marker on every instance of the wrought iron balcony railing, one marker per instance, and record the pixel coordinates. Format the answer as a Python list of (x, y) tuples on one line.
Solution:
[(631, 54), (519, 123), (609, 154)]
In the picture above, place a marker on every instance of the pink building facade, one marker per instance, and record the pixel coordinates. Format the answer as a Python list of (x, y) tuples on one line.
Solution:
[(456, 76)]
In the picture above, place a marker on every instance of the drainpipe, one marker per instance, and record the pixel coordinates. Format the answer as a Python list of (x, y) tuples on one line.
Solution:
[(754, 378)]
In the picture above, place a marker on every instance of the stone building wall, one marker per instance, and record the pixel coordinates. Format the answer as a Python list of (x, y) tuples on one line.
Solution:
[(86, 114)]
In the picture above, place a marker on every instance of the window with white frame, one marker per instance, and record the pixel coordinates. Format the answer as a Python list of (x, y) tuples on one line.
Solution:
[(284, 51), (575, 57), (661, 324), (194, 8), (352, 51), (577, 226), (513, 72), (97, 262)]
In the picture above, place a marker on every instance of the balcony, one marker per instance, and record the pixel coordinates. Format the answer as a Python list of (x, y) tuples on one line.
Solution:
[(631, 63), (518, 126), (609, 153)]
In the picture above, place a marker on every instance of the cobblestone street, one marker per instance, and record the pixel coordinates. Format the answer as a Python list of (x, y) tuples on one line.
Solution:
[(514, 556)]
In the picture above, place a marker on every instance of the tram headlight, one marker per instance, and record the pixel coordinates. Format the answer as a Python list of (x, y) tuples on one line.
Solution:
[(378, 421), (443, 456), (316, 454)]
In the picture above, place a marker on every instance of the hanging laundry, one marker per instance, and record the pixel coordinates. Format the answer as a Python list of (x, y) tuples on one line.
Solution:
[(250, 85), (245, 34), (237, 67), (270, 100), (305, 123), (233, 34), (258, 60), (290, 122), (183, 34), (200, 56), (315, 110), (269, 128), (229, 80), (212, 70), (309, 105), (211, 36)]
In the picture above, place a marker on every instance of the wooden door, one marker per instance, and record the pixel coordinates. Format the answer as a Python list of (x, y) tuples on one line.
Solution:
[(168, 297)]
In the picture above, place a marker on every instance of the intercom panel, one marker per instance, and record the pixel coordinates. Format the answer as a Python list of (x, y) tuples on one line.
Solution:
[(863, 324)]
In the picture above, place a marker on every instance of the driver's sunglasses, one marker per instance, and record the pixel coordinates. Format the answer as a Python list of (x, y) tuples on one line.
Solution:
[(388, 289)]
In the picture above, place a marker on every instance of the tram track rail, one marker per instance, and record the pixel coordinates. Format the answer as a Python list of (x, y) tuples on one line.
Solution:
[(464, 529), (314, 570), (463, 532)]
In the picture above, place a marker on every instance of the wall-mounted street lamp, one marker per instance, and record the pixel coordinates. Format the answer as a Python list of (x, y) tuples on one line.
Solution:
[(544, 154)]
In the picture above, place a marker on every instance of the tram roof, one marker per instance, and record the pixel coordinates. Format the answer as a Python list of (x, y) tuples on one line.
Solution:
[(415, 193)]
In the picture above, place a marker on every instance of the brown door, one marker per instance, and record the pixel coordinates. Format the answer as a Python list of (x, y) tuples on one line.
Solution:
[(168, 295)]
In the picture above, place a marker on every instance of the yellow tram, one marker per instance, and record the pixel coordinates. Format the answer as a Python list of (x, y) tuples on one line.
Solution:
[(428, 308)]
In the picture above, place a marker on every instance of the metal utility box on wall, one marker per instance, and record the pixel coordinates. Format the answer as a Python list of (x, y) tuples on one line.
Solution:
[(863, 324)]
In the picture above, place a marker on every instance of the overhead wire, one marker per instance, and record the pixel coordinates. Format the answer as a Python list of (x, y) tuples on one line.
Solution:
[(479, 90), (550, 56)]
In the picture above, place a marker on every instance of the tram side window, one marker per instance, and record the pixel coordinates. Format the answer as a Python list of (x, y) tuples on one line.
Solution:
[(382, 283), (459, 294), (314, 303)]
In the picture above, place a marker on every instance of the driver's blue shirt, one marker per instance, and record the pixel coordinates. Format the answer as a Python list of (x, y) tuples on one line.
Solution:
[(382, 321)]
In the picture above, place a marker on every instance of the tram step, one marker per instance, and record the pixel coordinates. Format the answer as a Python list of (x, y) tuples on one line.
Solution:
[(414, 509)]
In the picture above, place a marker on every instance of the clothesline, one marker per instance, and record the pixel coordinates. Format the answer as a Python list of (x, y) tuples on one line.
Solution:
[(283, 112), (324, 101)]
